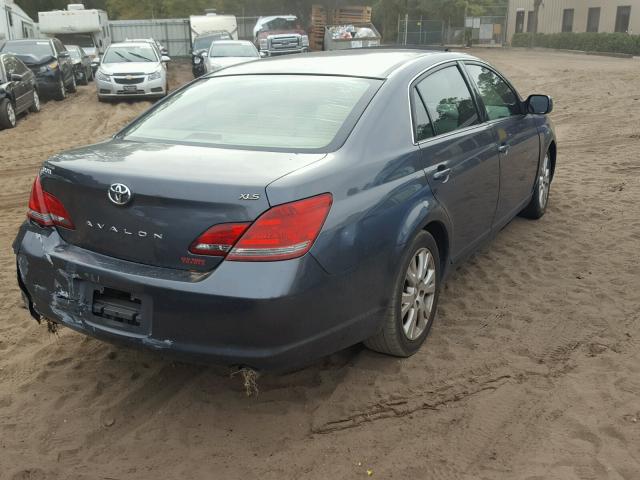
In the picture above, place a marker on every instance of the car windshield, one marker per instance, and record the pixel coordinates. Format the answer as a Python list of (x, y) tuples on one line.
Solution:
[(283, 112), (232, 50), (203, 43), (37, 48), (75, 53), (80, 39), (280, 24), (133, 53)]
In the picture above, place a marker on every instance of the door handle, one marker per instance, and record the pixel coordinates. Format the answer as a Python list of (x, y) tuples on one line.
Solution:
[(504, 148), (442, 174)]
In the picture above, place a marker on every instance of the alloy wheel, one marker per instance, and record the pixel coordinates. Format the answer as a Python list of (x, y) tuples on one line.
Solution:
[(544, 182), (418, 294), (36, 101), (63, 90), (11, 114)]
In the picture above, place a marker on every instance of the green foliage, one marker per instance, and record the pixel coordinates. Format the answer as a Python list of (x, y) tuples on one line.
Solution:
[(589, 42)]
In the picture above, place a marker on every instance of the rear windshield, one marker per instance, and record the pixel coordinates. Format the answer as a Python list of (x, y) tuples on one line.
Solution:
[(137, 53), (281, 112), (232, 50), (36, 48)]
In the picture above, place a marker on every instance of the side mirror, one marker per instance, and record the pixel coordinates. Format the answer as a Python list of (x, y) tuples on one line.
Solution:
[(15, 77), (539, 104), (95, 61), (263, 54), (64, 55), (165, 58), (164, 51)]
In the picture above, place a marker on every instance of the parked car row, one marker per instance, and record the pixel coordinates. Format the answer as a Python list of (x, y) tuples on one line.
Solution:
[(35, 68)]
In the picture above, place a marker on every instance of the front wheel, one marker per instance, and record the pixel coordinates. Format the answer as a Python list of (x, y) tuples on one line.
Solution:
[(414, 299), (540, 199), (7, 114), (35, 104), (85, 78), (73, 85), (61, 92)]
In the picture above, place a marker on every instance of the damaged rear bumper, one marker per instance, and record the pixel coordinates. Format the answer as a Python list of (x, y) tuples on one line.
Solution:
[(266, 315)]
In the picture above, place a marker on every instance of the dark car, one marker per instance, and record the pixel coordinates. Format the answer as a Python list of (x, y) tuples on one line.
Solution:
[(49, 60), (277, 211), (18, 92), (201, 45), (81, 64)]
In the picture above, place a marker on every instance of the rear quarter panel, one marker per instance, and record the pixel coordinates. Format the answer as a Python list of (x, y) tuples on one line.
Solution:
[(381, 196)]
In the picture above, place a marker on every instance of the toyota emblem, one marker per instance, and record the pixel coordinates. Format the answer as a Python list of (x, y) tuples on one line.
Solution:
[(119, 194)]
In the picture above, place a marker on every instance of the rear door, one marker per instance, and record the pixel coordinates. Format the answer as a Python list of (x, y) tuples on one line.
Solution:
[(517, 137), (459, 154), (21, 88)]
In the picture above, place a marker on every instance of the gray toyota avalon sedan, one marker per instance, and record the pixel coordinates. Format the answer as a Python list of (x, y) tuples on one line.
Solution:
[(277, 211)]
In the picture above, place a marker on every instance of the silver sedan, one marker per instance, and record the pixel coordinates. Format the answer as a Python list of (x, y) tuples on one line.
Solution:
[(132, 69)]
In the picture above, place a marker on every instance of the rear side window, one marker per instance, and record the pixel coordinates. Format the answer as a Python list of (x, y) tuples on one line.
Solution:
[(448, 100), (283, 112), (422, 127), (500, 101)]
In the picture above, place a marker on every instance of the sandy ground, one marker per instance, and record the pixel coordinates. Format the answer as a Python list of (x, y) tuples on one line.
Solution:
[(532, 370)]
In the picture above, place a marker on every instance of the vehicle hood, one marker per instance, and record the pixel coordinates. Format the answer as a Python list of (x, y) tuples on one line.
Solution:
[(263, 20), (125, 68), (224, 62), (35, 60)]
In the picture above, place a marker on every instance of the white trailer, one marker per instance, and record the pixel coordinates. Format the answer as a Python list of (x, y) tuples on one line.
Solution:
[(78, 26), (211, 22), (14, 22)]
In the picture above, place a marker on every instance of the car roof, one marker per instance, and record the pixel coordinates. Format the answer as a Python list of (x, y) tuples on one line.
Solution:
[(362, 62), (28, 40), (232, 42), (128, 44)]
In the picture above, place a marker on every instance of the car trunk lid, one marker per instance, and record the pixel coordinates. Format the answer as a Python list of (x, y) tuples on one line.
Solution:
[(177, 193)]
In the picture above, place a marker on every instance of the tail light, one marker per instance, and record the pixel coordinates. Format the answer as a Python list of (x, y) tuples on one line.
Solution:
[(47, 210), (283, 232), (218, 240)]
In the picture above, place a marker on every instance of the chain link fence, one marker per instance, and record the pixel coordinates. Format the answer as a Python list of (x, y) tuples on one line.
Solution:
[(420, 32), (486, 30)]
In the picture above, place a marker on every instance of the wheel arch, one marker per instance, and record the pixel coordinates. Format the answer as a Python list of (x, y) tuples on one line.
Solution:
[(439, 232), (429, 216), (553, 151)]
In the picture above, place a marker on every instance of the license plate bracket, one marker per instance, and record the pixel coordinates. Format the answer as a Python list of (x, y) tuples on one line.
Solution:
[(119, 310), (129, 88)]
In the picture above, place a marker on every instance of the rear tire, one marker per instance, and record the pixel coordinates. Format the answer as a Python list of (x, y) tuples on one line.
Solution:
[(540, 199), (7, 114), (414, 300), (35, 106)]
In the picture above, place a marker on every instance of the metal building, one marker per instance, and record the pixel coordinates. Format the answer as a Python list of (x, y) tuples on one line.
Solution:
[(557, 16)]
